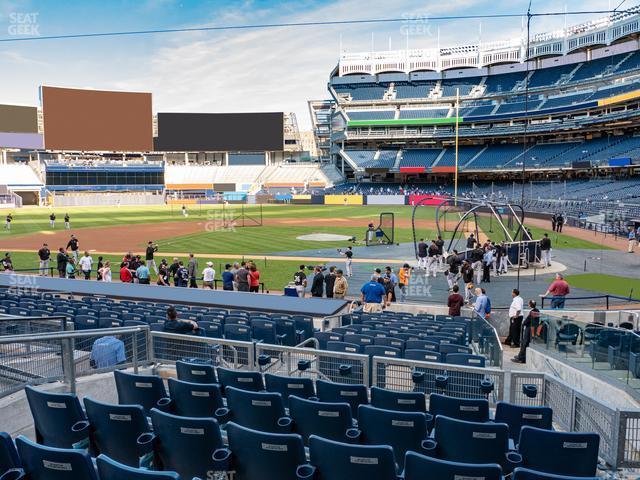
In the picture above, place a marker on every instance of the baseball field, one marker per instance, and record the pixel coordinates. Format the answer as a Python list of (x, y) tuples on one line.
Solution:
[(217, 234)]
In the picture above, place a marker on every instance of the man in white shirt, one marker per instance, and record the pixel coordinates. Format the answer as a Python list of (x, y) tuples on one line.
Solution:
[(86, 262), (515, 319), (208, 274)]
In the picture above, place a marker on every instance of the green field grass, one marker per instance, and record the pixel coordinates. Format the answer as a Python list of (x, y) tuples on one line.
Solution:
[(611, 284)]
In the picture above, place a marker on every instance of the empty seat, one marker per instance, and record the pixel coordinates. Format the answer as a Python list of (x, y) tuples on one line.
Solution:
[(398, 401), (359, 339), (56, 418), (528, 474), (574, 453), (342, 461), (267, 456), (452, 348), (9, 459), (240, 379), (324, 337), (195, 399), (262, 411), (48, 463), (286, 331), (423, 355), (184, 444), (470, 409), (212, 329), (421, 467), (195, 372), (355, 395), (403, 431), (465, 359), (344, 347), (114, 430), (263, 330), (390, 342), (145, 390), (422, 345), (287, 386), (109, 469), (237, 332), (327, 420), (517, 416)]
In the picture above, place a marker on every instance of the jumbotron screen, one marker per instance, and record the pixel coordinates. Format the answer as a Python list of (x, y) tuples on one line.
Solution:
[(18, 119), (97, 120), (220, 132)]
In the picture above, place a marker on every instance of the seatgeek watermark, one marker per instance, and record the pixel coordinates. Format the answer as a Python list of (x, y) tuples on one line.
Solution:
[(24, 24), (415, 25), (220, 220)]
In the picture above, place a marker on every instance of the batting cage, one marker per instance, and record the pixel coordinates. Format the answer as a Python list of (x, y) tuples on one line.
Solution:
[(384, 233)]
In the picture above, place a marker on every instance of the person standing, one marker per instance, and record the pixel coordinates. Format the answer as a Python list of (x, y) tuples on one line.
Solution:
[(515, 319), (423, 252), (183, 275), (208, 275), (254, 278), (372, 296), (455, 302), (393, 279), (52, 220), (453, 273), (99, 269), (560, 223), (185, 214), (242, 278), (163, 274), (67, 221), (554, 222), (329, 281), (341, 286), (477, 255), (227, 278), (7, 222), (234, 271), (432, 263), (348, 253), (559, 289), (503, 263), (317, 284), (487, 263), (300, 281), (125, 274), (74, 246), (192, 269), (44, 254), (86, 263), (71, 269), (440, 245), (173, 271), (545, 251), (632, 240), (61, 262), (143, 274), (481, 306), (105, 272), (471, 244), (151, 250), (528, 326), (404, 277)]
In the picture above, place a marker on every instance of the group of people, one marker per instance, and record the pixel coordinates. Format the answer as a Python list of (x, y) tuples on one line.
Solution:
[(634, 239), (557, 222), (333, 284), (52, 221)]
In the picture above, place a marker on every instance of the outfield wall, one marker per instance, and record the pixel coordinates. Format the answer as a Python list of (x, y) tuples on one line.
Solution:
[(385, 199), (107, 199)]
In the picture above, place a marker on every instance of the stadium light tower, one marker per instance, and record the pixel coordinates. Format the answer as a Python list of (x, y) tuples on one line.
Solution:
[(455, 177)]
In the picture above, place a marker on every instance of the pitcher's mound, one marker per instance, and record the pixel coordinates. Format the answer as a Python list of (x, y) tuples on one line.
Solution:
[(324, 237)]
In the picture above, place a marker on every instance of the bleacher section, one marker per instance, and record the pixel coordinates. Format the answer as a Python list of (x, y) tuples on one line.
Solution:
[(19, 177), (419, 157), (371, 115)]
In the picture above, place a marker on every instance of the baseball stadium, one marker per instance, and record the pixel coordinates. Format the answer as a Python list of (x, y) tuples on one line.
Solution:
[(428, 271)]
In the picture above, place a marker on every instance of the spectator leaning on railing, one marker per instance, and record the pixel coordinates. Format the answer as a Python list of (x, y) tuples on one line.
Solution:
[(558, 290)]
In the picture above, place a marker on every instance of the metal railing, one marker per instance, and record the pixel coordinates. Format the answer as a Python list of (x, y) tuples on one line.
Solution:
[(12, 325), (606, 300)]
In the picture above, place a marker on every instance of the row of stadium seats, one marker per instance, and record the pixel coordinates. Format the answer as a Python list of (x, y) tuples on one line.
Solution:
[(186, 438)]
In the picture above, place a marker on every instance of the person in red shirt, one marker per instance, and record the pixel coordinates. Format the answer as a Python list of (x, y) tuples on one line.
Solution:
[(558, 290), (254, 278), (125, 273), (455, 302)]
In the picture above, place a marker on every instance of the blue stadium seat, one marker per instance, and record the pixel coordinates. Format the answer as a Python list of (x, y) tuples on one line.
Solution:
[(421, 467), (109, 469), (324, 337), (263, 330), (85, 322), (48, 463), (233, 331), (286, 331), (265, 456), (528, 474), (472, 442), (403, 431), (359, 339), (518, 416), (343, 347), (574, 453), (9, 458), (286, 386), (262, 411), (423, 355), (240, 379), (343, 461), (58, 419), (390, 342), (184, 444), (195, 372), (212, 329), (114, 430), (452, 348), (195, 399), (398, 401), (422, 345), (353, 394), (327, 420), (304, 327), (145, 390), (470, 409), (466, 359)]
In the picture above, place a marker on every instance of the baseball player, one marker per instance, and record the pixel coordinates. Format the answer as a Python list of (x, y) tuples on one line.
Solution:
[(67, 223), (52, 220)]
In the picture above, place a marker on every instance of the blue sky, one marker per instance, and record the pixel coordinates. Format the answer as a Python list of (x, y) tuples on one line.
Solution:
[(243, 70)]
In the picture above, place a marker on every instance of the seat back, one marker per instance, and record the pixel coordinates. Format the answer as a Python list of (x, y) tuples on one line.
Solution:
[(344, 347), (324, 337), (212, 329), (286, 330), (418, 467), (109, 469), (472, 410), (355, 395), (574, 453), (48, 463), (286, 386), (423, 345), (9, 458), (449, 348), (423, 355), (144, 390), (471, 442), (527, 474), (466, 359), (390, 342), (267, 456), (195, 372), (233, 331), (359, 339), (256, 410), (185, 444), (403, 431), (53, 416), (335, 460), (517, 416), (115, 429), (240, 379), (195, 399), (398, 401), (263, 330), (327, 420)]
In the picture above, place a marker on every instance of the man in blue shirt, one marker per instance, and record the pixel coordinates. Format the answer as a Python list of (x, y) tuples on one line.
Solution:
[(480, 305), (373, 294), (107, 352), (142, 272), (227, 277)]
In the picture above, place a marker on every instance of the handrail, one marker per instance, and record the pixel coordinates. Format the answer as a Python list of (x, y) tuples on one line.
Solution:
[(30, 337), (606, 297)]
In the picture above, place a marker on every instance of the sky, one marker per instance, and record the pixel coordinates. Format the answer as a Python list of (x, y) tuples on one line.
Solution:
[(241, 70)]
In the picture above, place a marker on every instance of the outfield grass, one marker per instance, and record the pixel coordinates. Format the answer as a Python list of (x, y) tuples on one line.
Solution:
[(611, 284)]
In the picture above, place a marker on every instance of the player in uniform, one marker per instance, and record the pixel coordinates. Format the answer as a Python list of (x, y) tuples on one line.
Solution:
[(7, 222), (52, 220), (67, 223), (348, 253)]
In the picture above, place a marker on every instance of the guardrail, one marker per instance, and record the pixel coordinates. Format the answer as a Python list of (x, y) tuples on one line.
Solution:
[(12, 325), (606, 298)]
